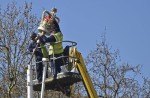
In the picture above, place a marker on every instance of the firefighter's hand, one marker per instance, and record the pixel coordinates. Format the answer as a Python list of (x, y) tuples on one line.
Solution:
[(41, 34), (38, 41)]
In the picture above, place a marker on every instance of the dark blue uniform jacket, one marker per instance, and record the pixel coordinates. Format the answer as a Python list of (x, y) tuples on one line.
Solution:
[(38, 52)]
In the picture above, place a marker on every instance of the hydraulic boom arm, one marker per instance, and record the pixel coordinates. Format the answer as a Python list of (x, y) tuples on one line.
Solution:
[(85, 76)]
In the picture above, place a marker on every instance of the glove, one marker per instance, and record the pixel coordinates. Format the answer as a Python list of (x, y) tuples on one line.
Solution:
[(40, 41)]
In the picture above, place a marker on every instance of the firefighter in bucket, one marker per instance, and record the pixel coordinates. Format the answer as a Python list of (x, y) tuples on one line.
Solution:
[(49, 26)]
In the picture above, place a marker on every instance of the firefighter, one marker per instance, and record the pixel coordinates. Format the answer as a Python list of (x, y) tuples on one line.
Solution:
[(56, 49), (34, 47)]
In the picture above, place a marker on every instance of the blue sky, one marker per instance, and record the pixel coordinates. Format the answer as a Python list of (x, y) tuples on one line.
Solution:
[(127, 25)]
